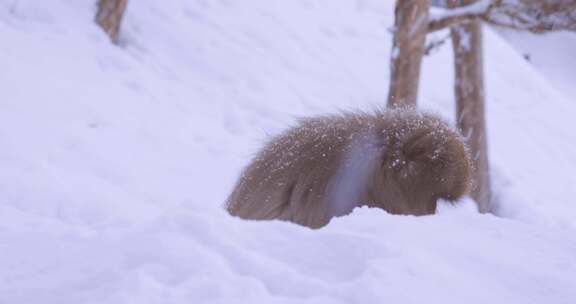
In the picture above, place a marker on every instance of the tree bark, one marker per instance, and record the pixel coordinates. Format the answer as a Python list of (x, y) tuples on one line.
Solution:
[(109, 17), (469, 91), (410, 28)]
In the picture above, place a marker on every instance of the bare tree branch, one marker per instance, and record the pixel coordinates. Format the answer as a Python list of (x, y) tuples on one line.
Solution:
[(441, 18), (446, 22), (534, 15), (528, 15)]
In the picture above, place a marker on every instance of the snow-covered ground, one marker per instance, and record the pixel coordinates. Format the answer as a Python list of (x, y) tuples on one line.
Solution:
[(116, 161)]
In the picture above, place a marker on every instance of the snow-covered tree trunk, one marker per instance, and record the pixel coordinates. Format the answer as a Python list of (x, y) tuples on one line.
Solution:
[(109, 16), (469, 91), (410, 28)]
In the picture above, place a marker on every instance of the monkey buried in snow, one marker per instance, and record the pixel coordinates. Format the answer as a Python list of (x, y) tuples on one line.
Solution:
[(400, 160)]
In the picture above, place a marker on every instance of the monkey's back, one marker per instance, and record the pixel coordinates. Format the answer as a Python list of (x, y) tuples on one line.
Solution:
[(401, 161), (288, 179)]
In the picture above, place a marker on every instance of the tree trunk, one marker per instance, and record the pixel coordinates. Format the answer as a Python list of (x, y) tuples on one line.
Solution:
[(109, 17), (410, 28), (469, 91)]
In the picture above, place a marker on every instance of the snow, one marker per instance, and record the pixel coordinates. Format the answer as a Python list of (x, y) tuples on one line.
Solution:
[(478, 7), (187, 256), (552, 54), (465, 39), (116, 161)]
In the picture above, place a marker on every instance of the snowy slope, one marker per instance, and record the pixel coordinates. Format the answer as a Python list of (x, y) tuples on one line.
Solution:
[(116, 161), (553, 54)]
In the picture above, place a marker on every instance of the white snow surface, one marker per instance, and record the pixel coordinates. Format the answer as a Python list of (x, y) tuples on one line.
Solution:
[(116, 161), (553, 54), (478, 7)]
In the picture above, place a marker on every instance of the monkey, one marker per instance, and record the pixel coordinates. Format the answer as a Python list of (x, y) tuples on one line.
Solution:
[(399, 160)]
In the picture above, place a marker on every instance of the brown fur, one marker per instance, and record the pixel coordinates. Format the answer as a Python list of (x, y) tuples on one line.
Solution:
[(400, 160)]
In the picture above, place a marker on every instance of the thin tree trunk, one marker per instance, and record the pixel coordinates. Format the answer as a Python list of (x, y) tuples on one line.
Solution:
[(469, 91), (109, 16), (410, 28)]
